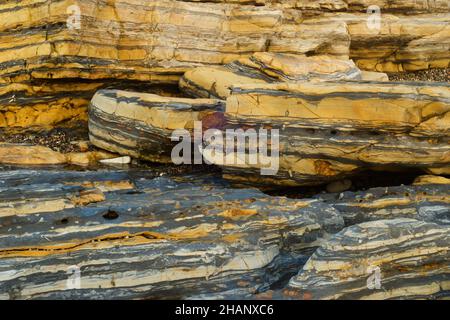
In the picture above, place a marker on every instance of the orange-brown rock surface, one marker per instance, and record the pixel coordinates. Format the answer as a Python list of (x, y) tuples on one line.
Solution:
[(56, 59), (330, 130)]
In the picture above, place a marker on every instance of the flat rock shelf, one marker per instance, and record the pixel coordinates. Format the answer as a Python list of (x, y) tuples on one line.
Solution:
[(135, 236)]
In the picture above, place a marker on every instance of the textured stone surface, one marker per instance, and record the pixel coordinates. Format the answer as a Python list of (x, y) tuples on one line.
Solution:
[(428, 200), (401, 43), (147, 238), (263, 68), (48, 71), (23, 154), (413, 259), (330, 130), (45, 65), (148, 40), (141, 125), (317, 7), (44, 103)]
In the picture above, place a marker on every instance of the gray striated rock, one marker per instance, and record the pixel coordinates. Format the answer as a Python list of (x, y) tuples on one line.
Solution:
[(428, 202), (140, 125), (148, 238), (384, 259)]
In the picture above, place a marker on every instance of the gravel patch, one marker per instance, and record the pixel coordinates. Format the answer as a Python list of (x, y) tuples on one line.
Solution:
[(435, 75)]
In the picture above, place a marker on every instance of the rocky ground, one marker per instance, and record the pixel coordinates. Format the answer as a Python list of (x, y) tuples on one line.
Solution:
[(356, 120), (442, 75)]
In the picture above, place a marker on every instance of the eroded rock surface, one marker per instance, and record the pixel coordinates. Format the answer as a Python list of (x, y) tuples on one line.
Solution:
[(141, 125), (384, 259), (330, 130), (52, 62), (261, 68), (147, 238)]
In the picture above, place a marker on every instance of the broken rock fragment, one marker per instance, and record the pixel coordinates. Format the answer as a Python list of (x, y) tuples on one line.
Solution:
[(264, 67)]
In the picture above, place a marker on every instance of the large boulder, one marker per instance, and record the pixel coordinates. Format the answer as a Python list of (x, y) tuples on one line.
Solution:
[(263, 67), (329, 130), (147, 238)]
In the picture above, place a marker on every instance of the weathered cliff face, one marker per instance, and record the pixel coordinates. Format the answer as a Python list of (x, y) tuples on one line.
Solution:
[(149, 40), (155, 42), (147, 238)]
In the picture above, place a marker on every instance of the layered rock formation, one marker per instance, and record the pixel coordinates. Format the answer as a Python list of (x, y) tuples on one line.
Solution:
[(384, 259), (146, 238), (56, 54), (141, 125), (427, 200), (23, 154), (260, 68), (329, 130), (398, 43), (130, 235), (308, 73)]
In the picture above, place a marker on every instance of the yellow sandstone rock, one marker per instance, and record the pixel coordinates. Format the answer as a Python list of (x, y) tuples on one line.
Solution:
[(264, 67), (22, 154)]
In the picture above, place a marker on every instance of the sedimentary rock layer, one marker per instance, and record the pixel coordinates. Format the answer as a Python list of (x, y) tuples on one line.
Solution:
[(317, 7), (50, 102), (25, 154), (40, 104), (384, 259), (146, 238), (329, 130), (151, 42), (148, 40), (141, 125), (427, 200), (389, 43), (263, 67)]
